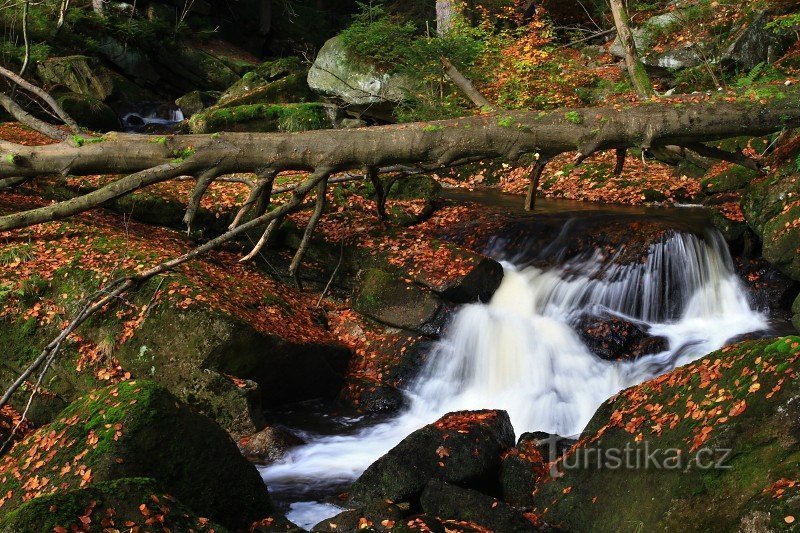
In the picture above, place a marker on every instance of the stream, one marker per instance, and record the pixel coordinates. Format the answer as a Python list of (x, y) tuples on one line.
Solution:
[(520, 351)]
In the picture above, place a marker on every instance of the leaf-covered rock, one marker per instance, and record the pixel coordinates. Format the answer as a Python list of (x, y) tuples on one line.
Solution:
[(462, 447), (710, 446), (137, 429)]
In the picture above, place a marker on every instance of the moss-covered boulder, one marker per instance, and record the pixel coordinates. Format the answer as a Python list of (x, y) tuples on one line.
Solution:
[(462, 447), (129, 504), (82, 75), (394, 301), (796, 311), (90, 112), (772, 209), (273, 82), (264, 118), (137, 429), (731, 179), (186, 68), (712, 446), (194, 102)]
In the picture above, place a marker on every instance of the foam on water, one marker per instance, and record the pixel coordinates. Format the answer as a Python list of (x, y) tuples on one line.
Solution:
[(519, 353)]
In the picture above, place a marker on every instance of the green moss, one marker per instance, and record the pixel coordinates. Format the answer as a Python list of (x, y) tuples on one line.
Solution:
[(430, 128), (505, 122), (262, 117), (159, 140)]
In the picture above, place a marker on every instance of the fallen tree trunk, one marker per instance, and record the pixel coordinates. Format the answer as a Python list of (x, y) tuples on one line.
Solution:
[(502, 135)]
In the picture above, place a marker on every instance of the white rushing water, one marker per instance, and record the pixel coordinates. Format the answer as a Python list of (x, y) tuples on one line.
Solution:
[(519, 353)]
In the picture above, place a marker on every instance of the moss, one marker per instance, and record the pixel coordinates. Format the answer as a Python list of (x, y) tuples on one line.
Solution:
[(505, 122), (733, 179), (113, 503), (430, 128), (262, 117)]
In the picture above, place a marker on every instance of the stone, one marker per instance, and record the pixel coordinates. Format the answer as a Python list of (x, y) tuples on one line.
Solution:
[(130, 60), (265, 118), (89, 112), (268, 445), (394, 301), (336, 73), (613, 338), (453, 503), (84, 76), (684, 56), (138, 429), (796, 311), (733, 455), (274, 82), (462, 447), (755, 44), (196, 101), (187, 68), (129, 501)]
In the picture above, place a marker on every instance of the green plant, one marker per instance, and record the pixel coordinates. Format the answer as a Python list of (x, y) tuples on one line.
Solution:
[(377, 35), (574, 117)]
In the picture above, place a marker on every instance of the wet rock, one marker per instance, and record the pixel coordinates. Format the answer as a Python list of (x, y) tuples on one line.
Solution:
[(477, 280), (380, 398), (268, 445), (462, 447), (380, 516), (769, 288), (421, 524), (664, 469), (614, 338), (108, 504), (451, 502), (521, 470), (138, 429), (394, 301), (196, 101)]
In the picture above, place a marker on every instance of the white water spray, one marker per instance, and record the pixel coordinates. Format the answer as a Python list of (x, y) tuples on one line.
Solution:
[(519, 353)]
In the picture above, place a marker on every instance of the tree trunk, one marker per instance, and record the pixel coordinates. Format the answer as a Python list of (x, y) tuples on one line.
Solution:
[(445, 13), (504, 135), (636, 70), (466, 86)]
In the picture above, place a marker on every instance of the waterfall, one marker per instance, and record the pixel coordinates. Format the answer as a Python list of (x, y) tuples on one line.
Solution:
[(520, 353)]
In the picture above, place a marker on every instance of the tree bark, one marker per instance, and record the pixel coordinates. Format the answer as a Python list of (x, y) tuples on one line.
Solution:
[(444, 16), (636, 70), (466, 86), (505, 135)]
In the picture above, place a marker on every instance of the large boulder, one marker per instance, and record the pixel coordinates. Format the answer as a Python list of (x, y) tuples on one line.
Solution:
[(683, 56), (194, 102), (463, 448), (524, 466), (457, 504), (274, 82), (337, 73), (82, 75), (394, 301), (133, 503), (772, 212), (137, 429), (711, 446), (756, 43), (796, 311)]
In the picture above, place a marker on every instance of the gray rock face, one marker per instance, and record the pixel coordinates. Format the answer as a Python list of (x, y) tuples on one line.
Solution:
[(755, 44), (82, 75), (685, 56), (335, 73)]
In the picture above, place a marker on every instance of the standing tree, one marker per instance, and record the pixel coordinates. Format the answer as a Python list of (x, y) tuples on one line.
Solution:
[(636, 70)]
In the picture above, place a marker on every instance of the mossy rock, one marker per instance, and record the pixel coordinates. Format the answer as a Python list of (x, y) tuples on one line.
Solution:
[(722, 436), (264, 118), (273, 82), (796, 311), (137, 429), (771, 210), (137, 503), (83, 75), (90, 112), (196, 101), (731, 180), (394, 301), (186, 69), (730, 229)]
